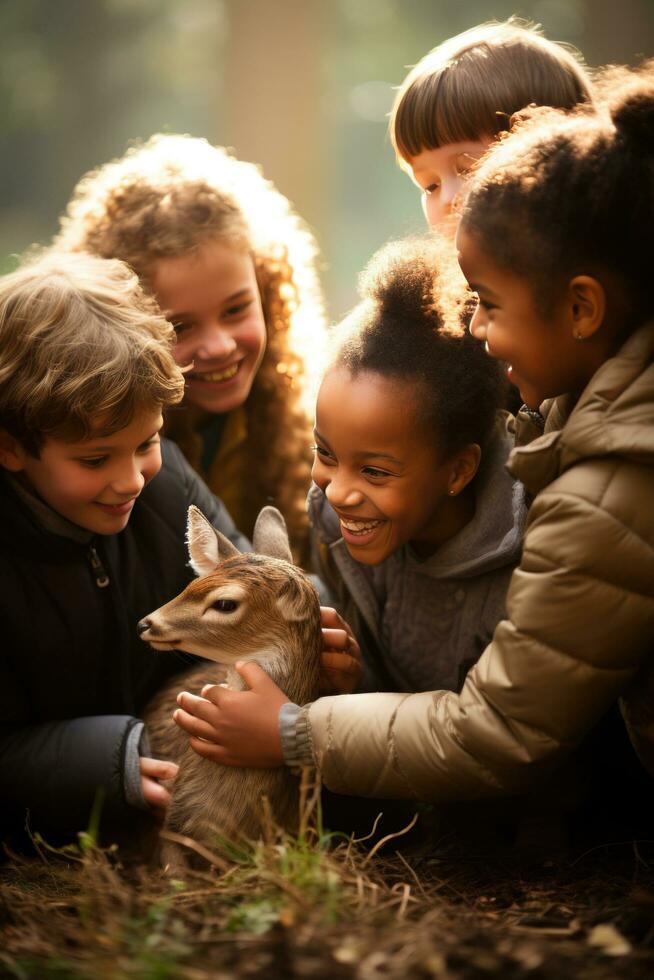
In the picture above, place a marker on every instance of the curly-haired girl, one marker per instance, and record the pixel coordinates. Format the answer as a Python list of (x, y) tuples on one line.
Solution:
[(233, 268)]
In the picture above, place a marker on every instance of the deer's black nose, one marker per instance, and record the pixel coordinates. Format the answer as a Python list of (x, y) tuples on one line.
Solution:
[(143, 626)]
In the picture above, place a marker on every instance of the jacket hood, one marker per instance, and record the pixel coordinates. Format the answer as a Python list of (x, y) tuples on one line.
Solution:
[(614, 416), (490, 540)]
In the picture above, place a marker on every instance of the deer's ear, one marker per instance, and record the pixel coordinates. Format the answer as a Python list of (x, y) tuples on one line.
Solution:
[(270, 536), (206, 546), (292, 602)]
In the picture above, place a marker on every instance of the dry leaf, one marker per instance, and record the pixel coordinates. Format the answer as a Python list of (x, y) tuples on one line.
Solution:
[(608, 940)]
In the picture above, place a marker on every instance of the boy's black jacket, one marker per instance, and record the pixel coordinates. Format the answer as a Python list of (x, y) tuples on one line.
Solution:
[(73, 673)]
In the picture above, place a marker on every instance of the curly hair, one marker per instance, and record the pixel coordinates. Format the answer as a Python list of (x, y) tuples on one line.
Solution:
[(469, 87), (398, 331), (565, 195), (168, 197)]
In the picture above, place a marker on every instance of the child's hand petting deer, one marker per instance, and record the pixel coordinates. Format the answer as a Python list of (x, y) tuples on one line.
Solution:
[(340, 662), (235, 728), (241, 728), (152, 770)]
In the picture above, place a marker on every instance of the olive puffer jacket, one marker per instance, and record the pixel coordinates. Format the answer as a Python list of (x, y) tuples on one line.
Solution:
[(579, 630)]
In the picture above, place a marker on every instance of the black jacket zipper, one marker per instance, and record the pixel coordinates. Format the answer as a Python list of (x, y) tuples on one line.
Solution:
[(99, 571)]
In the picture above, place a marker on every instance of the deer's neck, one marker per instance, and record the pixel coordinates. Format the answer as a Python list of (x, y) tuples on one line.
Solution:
[(293, 668), (269, 659)]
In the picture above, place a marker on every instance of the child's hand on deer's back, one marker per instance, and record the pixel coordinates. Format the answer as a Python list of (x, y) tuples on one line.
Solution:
[(340, 662), (235, 728), (152, 770)]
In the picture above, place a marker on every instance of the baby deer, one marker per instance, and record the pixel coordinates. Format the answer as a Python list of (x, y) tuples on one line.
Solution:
[(256, 607)]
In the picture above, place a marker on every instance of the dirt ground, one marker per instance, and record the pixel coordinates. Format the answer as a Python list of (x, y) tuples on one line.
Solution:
[(319, 906)]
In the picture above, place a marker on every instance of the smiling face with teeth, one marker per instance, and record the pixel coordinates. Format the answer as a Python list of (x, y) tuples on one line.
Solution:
[(212, 298), (543, 358), (380, 469)]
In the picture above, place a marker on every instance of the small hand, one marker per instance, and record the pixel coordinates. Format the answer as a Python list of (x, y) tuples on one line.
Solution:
[(152, 770), (340, 662), (235, 728)]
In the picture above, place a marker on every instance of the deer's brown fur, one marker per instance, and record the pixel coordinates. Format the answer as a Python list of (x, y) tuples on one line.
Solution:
[(276, 624)]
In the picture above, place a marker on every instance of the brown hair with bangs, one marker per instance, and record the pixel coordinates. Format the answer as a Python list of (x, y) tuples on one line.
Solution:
[(83, 350), (469, 87)]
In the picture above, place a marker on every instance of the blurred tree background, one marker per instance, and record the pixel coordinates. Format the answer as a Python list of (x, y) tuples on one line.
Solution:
[(302, 87)]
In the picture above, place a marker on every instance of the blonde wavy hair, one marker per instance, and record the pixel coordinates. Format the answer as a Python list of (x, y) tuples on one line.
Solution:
[(168, 197), (83, 350)]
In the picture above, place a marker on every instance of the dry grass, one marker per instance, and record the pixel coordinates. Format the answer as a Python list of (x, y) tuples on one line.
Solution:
[(321, 906)]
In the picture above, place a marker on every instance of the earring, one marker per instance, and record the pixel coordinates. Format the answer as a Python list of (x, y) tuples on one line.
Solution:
[(578, 335), (452, 493)]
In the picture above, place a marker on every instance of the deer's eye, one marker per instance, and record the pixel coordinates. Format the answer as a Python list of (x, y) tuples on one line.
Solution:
[(225, 605)]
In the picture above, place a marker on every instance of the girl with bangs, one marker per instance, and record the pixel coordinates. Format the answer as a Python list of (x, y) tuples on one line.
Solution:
[(457, 100), (233, 268)]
